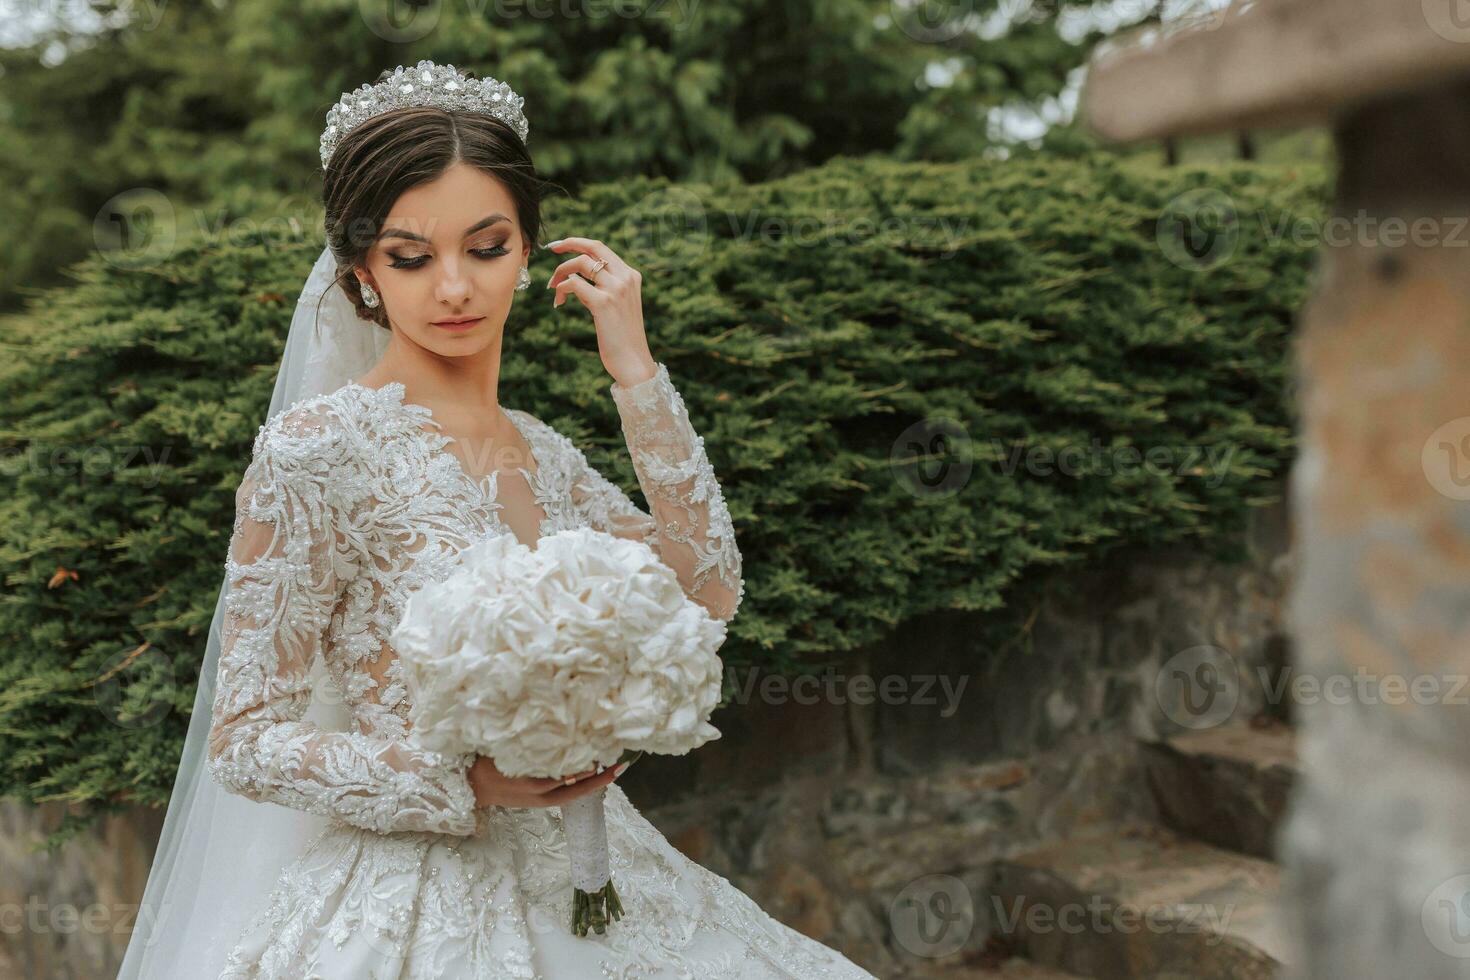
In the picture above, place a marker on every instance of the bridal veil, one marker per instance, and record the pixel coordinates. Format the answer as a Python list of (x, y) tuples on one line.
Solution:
[(219, 854)]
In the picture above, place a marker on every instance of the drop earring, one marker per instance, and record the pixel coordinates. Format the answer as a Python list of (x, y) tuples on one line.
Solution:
[(369, 296), (523, 279)]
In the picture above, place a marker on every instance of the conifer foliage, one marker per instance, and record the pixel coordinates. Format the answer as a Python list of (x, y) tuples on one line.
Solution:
[(923, 387)]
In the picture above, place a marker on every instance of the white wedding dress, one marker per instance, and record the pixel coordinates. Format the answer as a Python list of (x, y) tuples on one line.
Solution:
[(351, 502)]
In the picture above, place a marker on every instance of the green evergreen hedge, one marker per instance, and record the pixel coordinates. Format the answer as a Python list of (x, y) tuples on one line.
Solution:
[(809, 322)]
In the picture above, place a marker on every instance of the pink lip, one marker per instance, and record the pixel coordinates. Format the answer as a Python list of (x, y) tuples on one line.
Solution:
[(458, 324)]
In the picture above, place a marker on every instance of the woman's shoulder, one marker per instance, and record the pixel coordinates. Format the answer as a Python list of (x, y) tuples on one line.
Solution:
[(315, 447), (335, 429), (311, 425)]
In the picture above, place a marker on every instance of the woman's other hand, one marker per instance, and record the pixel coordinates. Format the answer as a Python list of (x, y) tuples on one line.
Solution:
[(494, 788)]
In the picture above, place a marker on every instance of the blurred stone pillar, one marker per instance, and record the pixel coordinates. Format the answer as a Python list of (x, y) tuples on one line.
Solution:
[(1376, 844)]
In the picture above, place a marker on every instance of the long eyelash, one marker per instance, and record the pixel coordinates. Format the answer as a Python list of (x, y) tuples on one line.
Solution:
[(400, 262)]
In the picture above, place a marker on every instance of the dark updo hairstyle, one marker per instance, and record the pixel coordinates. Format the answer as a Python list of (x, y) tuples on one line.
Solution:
[(398, 150)]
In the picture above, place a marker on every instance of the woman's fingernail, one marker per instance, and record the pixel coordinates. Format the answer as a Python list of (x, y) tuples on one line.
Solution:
[(553, 244), (569, 780), (620, 770)]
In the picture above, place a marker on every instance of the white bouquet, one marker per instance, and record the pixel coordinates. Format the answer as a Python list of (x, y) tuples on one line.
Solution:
[(555, 658)]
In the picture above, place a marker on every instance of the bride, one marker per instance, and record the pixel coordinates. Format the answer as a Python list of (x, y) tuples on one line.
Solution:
[(308, 835)]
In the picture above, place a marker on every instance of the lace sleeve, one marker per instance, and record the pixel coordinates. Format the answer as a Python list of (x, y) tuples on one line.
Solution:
[(689, 527), (289, 554)]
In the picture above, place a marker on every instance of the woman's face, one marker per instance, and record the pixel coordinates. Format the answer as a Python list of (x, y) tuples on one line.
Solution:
[(449, 249)]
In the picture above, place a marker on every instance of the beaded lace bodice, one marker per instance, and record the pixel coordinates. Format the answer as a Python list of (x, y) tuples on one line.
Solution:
[(350, 503)]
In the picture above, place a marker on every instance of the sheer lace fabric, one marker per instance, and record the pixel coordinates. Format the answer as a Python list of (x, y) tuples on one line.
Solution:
[(351, 503)]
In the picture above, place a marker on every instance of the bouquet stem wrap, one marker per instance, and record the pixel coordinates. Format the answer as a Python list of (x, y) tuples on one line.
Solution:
[(595, 902)]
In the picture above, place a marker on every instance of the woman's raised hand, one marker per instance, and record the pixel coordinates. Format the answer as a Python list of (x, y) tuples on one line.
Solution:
[(614, 296), (494, 788)]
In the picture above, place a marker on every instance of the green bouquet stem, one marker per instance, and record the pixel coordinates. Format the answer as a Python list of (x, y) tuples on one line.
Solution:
[(595, 910), (595, 902)]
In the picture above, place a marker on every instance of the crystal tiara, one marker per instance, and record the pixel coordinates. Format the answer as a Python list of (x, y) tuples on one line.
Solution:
[(425, 84)]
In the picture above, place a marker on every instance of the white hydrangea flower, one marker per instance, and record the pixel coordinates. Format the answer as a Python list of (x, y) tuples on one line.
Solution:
[(556, 658)]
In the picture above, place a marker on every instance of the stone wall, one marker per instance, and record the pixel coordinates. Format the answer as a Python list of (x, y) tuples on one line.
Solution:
[(68, 917), (826, 812)]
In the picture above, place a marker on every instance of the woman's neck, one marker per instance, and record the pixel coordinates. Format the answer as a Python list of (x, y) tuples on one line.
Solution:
[(462, 393)]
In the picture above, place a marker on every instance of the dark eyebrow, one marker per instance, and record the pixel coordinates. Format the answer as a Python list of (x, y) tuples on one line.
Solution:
[(482, 223)]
